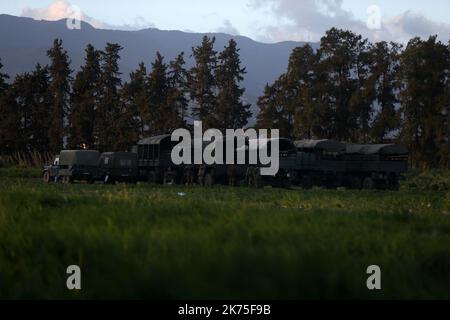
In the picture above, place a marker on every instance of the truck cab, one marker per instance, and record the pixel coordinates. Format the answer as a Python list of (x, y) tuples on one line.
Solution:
[(51, 172)]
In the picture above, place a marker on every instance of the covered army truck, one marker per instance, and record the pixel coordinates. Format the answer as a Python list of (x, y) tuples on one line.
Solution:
[(376, 166), (118, 167), (287, 163), (320, 163), (155, 161), (81, 165)]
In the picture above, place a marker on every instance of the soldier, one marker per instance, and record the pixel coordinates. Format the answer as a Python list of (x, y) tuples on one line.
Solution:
[(249, 176), (170, 176), (231, 172), (201, 175), (191, 177), (188, 175), (209, 179)]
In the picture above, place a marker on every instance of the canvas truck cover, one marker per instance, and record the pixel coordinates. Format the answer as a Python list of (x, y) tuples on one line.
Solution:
[(325, 145), (263, 144), (155, 140), (79, 157), (118, 159), (382, 149)]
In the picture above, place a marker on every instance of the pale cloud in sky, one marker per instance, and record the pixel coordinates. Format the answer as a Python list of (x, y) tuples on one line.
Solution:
[(62, 9), (307, 20), (228, 28), (403, 27)]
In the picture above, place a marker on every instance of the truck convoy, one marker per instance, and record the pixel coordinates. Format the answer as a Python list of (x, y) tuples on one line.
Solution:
[(91, 166), (304, 163)]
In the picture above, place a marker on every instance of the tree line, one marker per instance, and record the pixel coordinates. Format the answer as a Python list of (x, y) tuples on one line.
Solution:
[(50, 108), (348, 89), (352, 90)]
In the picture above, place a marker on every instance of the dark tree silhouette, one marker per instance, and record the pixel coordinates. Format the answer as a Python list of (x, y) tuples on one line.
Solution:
[(59, 88), (85, 99), (231, 112)]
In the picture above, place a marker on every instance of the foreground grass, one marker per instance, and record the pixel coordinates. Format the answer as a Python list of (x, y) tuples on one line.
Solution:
[(175, 242), (20, 172)]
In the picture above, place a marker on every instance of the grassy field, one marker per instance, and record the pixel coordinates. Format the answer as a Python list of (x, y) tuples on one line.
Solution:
[(155, 242)]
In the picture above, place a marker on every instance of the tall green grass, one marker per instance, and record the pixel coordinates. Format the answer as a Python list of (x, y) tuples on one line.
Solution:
[(20, 172), (176, 242)]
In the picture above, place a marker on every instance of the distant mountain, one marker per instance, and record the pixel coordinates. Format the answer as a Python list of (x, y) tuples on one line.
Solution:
[(24, 42)]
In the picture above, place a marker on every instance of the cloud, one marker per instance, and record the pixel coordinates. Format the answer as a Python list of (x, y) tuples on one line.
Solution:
[(307, 20), (411, 24), (139, 23), (228, 28), (62, 9)]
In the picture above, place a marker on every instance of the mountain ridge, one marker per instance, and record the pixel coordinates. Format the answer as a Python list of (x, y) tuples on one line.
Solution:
[(25, 42)]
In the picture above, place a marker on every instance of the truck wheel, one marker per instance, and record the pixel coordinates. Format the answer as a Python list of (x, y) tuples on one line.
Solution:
[(283, 179), (356, 183), (46, 177), (368, 184)]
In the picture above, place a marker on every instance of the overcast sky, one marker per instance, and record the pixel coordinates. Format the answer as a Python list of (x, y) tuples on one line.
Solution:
[(262, 20)]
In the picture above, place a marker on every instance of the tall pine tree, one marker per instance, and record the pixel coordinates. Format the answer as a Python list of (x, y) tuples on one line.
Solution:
[(41, 102), (8, 119), (84, 99), (107, 129), (135, 95), (158, 89), (59, 89), (202, 83), (177, 98), (28, 103), (3, 79), (231, 112)]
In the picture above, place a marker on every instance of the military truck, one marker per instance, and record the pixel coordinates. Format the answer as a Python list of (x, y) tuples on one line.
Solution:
[(222, 173), (78, 165), (376, 166), (118, 167), (320, 163), (287, 164), (155, 161)]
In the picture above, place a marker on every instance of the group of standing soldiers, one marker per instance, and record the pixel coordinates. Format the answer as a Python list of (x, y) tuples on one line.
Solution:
[(202, 177), (205, 177)]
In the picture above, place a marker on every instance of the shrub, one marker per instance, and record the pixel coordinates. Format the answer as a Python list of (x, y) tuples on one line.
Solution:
[(433, 180)]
